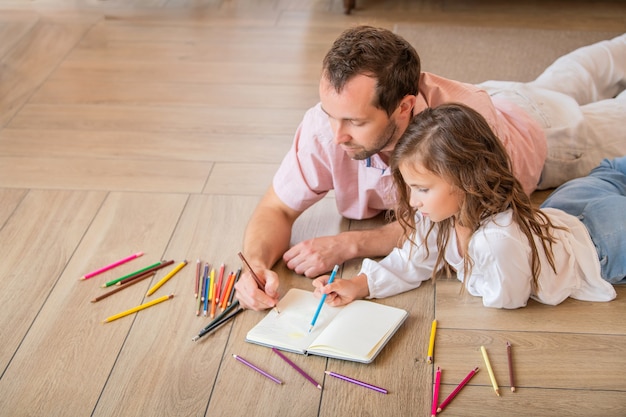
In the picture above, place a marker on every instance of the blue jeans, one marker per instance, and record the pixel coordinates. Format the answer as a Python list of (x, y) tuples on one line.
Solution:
[(599, 201)]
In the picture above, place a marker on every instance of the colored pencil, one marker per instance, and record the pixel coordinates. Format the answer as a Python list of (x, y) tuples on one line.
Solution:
[(138, 308), (490, 370), (212, 284), (509, 355), (431, 343), (456, 390), (262, 372), (111, 266), (202, 288), (297, 368), (162, 265), (321, 303), (218, 284), (357, 382), (433, 412), (207, 285), (227, 290), (259, 283), (217, 322), (132, 274), (232, 290), (166, 278), (198, 271), (121, 287)]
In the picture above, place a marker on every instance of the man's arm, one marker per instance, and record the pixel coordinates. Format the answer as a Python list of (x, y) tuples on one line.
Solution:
[(266, 238), (315, 256)]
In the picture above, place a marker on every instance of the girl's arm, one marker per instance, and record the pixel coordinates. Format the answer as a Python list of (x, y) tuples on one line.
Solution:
[(402, 270)]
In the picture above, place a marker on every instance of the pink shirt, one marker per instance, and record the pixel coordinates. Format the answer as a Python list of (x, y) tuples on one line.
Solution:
[(315, 165)]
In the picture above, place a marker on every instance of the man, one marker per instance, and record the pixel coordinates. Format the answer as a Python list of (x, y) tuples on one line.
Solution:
[(371, 86)]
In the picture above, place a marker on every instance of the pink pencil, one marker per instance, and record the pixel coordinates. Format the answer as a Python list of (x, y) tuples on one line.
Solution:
[(433, 412), (113, 265)]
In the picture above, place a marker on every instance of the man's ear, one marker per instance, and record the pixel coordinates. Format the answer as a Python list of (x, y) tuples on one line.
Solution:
[(406, 106)]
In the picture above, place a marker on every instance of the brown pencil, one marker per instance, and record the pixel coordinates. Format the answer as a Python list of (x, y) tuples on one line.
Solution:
[(510, 357), (125, 285)]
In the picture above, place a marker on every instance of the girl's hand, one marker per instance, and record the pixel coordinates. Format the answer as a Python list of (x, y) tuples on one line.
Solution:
[(341, 291)]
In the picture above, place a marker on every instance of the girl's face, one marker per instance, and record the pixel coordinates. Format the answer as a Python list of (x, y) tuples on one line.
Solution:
[(433, 196)]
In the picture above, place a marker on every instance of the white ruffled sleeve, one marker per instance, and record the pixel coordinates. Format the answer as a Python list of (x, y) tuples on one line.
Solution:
[(404, 268)]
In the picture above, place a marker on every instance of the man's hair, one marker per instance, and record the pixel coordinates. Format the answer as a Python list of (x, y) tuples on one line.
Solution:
[(377, 53)]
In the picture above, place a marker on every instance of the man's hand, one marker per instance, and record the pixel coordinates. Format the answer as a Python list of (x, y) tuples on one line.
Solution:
[(315, 256), (251, 296)]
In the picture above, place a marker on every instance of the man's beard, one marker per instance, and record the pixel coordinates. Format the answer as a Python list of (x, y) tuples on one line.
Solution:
[(381, 143)]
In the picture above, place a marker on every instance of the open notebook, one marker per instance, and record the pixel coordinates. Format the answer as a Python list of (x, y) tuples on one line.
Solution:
[(354, 332)]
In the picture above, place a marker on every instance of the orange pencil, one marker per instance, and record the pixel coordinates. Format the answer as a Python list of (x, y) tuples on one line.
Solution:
[(227, 289)]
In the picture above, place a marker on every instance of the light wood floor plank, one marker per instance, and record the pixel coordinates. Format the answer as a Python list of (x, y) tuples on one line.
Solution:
[(457, 310), (481, 401), (180, 93), (36, 246), (145, 146), (40, 48), (10, 200), (68, 324), (103, 174), (241, 179), (157, 119), (542, 360)]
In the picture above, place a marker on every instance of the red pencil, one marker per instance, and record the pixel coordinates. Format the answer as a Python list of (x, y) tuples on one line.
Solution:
[(457, 389), (218, 284)]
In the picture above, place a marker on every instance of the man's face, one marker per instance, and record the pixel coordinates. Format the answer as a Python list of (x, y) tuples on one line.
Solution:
[(361, 129)]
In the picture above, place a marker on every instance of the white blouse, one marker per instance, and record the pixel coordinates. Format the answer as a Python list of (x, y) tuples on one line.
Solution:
[(501, 273)]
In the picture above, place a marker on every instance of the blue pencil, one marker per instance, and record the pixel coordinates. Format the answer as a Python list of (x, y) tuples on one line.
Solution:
[(319, 306)]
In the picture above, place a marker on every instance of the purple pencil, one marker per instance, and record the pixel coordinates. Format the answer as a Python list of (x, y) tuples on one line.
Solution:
[(262, 372), (356, 381), (297, 368)]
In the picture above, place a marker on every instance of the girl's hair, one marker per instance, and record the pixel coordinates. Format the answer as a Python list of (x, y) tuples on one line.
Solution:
[(456, 143), (377, 53)]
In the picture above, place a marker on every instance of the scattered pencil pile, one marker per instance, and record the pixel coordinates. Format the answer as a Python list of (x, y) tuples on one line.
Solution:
[(212, 291), (436, 407)]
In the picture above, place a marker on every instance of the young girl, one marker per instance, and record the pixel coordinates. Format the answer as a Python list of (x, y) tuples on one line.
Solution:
[(463, 210)]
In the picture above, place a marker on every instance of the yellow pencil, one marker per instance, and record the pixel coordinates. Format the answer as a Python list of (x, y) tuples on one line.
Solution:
[(212, 285), (139, 307), (491, 375), (165, 278), (431, 344)]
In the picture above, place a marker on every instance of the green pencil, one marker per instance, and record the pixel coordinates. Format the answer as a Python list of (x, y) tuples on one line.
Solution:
[(132, 274)]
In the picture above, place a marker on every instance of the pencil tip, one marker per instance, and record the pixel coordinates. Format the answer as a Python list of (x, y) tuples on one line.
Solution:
[(310, 328), (195, 338), (429, 359), (498, 392), (439, 410), (319, 386), (512, 389)]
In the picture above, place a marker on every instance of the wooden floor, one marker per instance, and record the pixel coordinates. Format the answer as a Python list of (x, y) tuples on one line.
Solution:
[(155, 125)]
